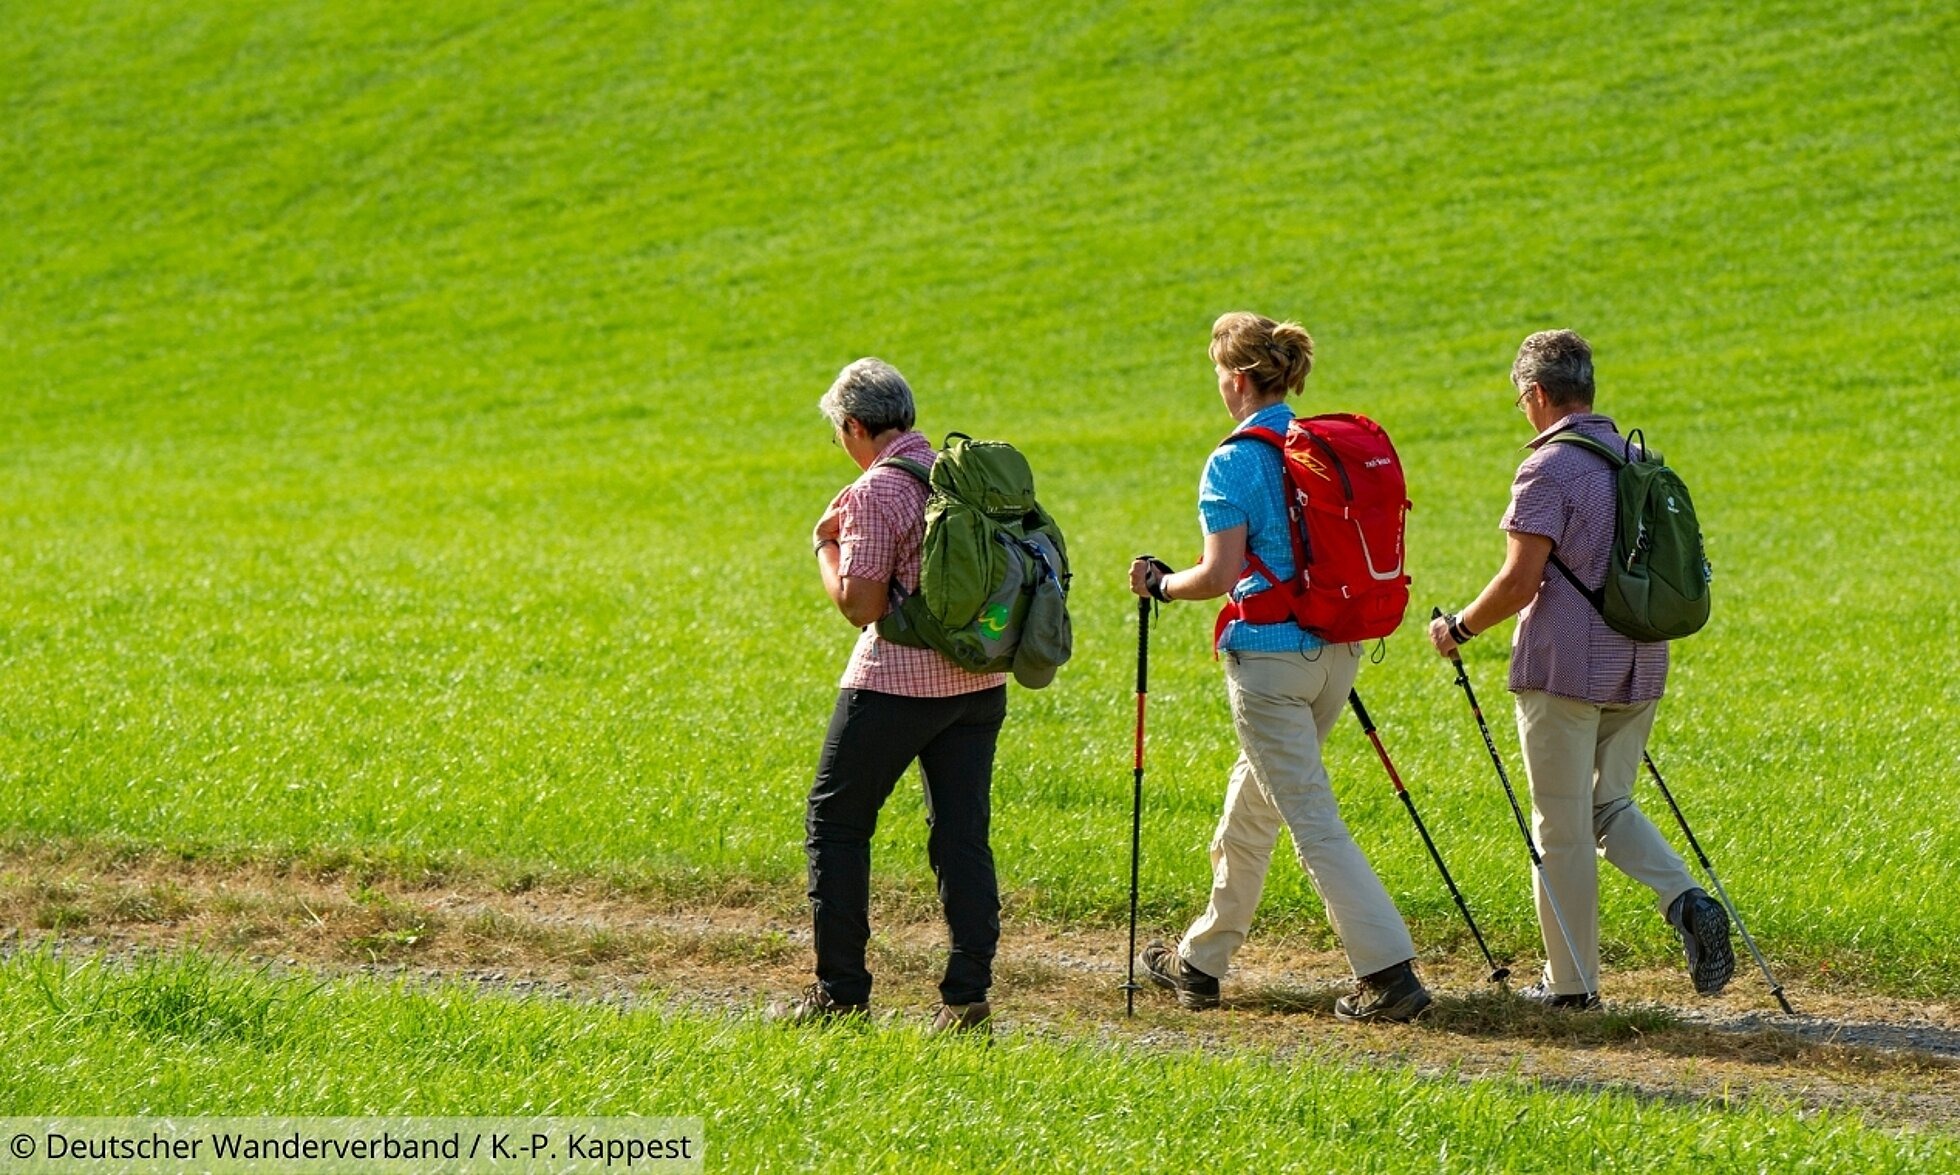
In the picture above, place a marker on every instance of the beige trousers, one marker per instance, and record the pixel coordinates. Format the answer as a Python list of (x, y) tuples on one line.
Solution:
[(1581, 759), (1283, 705)]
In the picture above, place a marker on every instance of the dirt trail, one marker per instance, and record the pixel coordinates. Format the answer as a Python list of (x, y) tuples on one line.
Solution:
[(1654, 1039)]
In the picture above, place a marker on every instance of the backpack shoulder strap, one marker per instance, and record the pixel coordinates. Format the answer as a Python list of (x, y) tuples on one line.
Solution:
[(1257, 433), (1596, 598), (908, 465), (1618, 461), (1590, 444)]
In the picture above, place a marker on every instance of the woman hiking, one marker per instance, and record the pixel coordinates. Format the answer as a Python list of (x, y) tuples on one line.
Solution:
[(1287, 687)]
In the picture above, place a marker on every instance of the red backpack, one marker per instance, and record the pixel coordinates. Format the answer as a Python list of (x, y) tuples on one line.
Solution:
[(1345, 503)]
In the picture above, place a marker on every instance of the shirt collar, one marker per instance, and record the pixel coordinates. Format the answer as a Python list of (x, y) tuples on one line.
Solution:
[(1273, 416), (912, 441), (1590, 419)]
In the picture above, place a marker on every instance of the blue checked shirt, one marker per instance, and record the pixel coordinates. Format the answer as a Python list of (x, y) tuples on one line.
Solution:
[(1243, 485)]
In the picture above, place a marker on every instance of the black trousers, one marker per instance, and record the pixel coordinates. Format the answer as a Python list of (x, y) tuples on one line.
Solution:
[(873, 738)]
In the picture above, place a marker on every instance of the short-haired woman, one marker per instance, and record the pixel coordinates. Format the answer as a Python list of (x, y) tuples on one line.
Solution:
[(895, 705), (1287, 688)]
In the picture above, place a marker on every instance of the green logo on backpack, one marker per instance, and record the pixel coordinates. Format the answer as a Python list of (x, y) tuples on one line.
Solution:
[(993, 567), (1657, 579), (993, 620)]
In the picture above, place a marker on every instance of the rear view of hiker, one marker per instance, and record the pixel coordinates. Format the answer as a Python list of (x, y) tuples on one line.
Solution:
[(1586, 694), (896, 704), (1287, 688)]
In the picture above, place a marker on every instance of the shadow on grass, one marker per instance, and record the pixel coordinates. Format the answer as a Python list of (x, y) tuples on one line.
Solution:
[(1492, 1013), (1500, 1014)]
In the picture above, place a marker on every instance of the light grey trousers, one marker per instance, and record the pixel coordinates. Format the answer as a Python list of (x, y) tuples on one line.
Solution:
[(1283, 705), (1581, 759)]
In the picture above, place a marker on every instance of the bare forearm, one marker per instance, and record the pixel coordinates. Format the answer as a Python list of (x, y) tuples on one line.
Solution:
[(860, 601), (1217, 570), (1206, 581), (827, 564), (1504, 597)]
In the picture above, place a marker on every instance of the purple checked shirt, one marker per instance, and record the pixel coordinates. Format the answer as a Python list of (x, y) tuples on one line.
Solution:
[(1562, 646)]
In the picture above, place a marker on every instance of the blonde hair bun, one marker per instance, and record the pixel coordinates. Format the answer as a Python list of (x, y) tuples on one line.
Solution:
[(1276, 355)]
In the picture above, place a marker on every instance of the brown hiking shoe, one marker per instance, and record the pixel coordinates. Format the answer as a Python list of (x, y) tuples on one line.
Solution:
[(976, 1018), (814, 1006), (1195, 989), (1393, 993)]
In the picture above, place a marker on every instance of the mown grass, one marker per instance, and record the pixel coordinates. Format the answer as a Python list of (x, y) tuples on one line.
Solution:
[(407, 446), (190, 1036)]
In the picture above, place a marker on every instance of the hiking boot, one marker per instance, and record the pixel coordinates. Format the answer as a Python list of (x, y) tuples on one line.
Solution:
[(1393, 993), (976, 1019), (1704, 927), (815, 1006), (1576, 1001), (1195, 989)]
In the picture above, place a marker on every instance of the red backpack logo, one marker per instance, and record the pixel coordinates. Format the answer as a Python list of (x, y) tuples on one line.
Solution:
[(1346, 501)]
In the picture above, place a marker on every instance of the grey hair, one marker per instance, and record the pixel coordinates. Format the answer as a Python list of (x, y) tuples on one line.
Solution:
[(871, 392), (1558, 361)]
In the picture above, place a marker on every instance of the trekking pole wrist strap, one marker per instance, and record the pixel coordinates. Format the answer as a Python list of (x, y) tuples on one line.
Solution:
[(1157, 589), (1459, 631)]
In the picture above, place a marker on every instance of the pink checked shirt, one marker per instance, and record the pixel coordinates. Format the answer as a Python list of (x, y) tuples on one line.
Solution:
[(1562, 646), (882, 526)]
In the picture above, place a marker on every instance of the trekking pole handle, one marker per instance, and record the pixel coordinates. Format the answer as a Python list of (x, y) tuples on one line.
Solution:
[(1144, 604), (1361, 712), (1462, 678)]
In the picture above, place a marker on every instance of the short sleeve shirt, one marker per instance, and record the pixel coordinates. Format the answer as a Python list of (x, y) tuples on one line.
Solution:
[(1244, 485), (881, 530), (1562, 647)]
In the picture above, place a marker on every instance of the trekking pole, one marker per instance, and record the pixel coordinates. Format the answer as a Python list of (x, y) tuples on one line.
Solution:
[(1537, 862), (1130, 988), (1497, 974), (1708, 867)]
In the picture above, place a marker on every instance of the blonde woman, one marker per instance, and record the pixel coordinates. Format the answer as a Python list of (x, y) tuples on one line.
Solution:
[(1287, 688)]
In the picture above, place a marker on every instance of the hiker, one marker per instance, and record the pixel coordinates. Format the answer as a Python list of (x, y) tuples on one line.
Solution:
[(1586, 694), (895, 704), (1287, 688)]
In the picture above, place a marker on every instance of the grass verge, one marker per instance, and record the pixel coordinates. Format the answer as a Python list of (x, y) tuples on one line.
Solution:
[(187, 1035)]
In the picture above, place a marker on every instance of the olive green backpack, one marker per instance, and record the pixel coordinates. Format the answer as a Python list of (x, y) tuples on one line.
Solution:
[(1657, 581), (993, 567)]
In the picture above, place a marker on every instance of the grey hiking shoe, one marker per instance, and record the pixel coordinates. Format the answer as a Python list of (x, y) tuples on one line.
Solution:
[(1393, 993), (1195, 989), (1704, 927), (1542, 995), (815, 1006), (974, 1019)]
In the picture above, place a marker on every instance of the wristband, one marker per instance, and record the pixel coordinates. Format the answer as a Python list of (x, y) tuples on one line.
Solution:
[(1158, 591), (1459, 631)]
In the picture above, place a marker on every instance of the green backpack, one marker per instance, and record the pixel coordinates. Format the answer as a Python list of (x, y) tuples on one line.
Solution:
[(993, 568), (1657, 581)]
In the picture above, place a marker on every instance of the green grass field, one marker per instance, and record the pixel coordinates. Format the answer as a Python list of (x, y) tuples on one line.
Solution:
[(408, 444), (211, 1040)]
